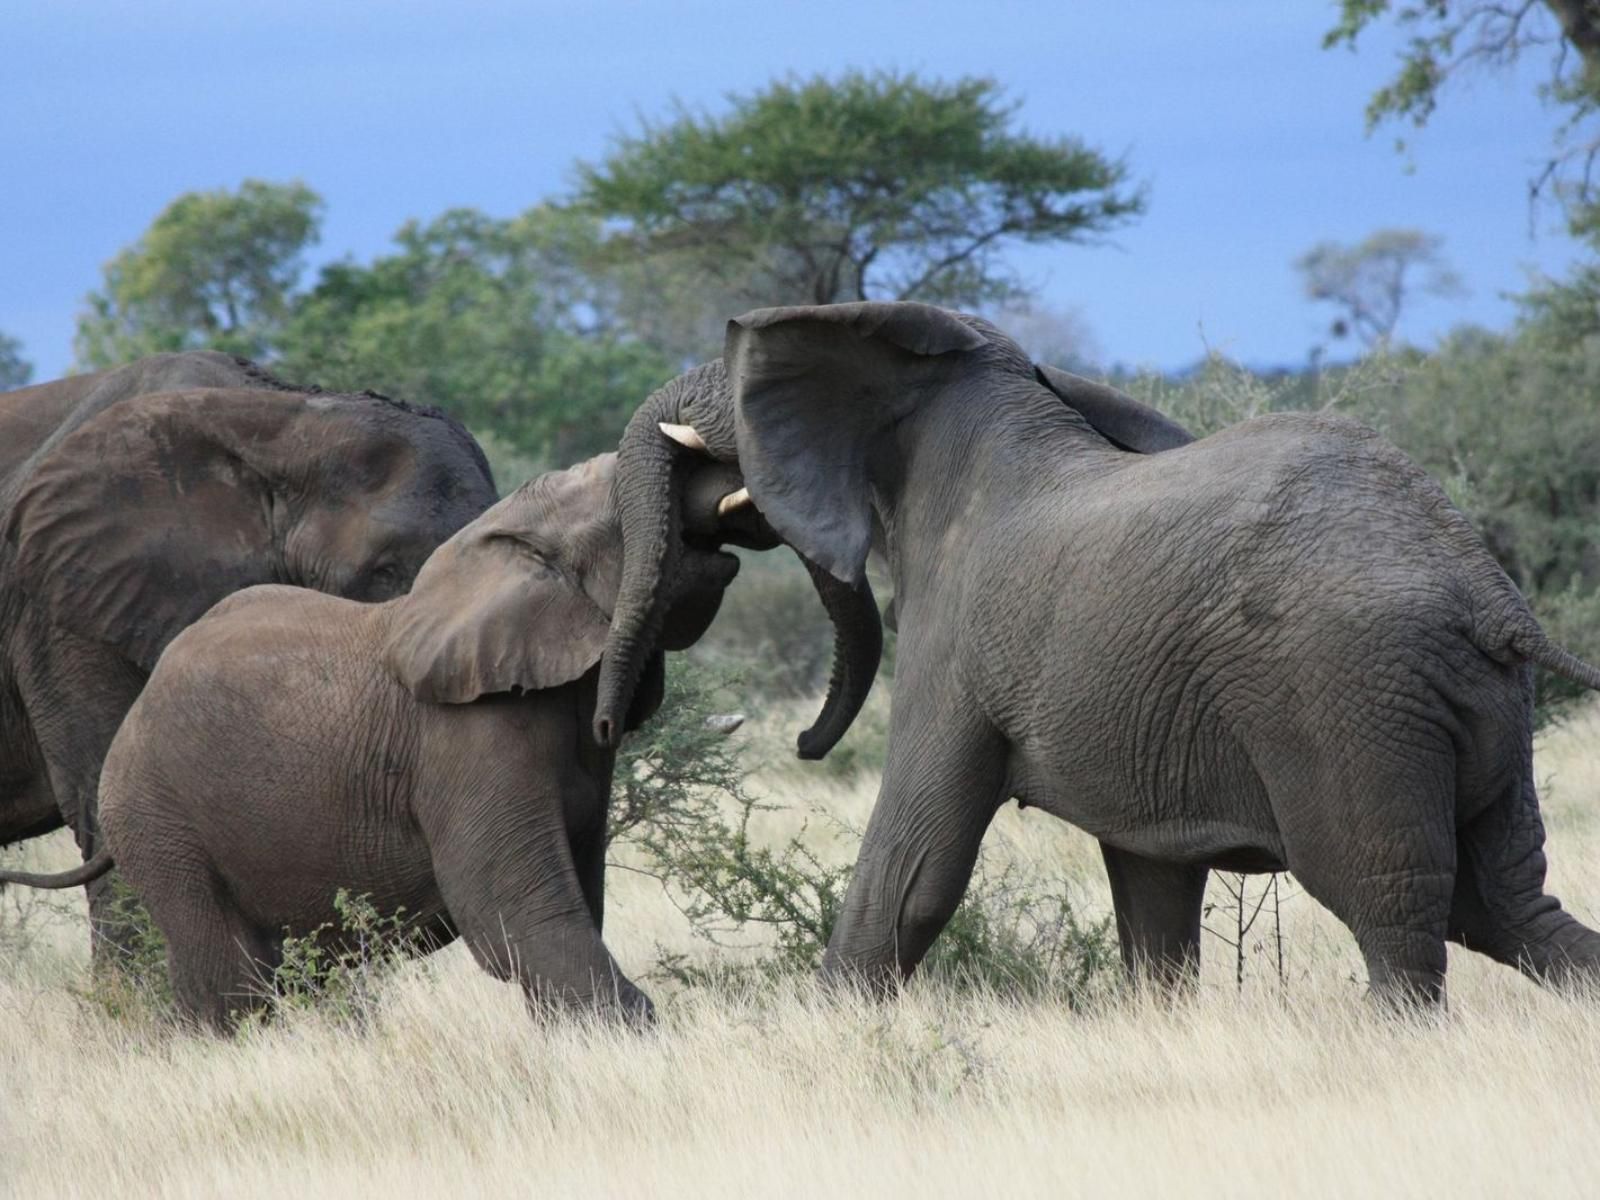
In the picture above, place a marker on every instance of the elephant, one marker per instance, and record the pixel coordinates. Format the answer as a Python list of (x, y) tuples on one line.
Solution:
[(432, 752), (1278, 647), (134, 499)]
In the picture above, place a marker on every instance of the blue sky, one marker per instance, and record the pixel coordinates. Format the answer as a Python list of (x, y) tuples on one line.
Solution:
[(1249, 135)]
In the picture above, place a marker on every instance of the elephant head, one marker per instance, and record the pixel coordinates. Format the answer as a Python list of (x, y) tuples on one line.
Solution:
[(681, 428), (809, 461), (522, 598), (140, 519)]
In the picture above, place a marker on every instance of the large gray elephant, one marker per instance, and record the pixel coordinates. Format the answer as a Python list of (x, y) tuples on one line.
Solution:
[(433, 752), (134, 499), (1277, 647)]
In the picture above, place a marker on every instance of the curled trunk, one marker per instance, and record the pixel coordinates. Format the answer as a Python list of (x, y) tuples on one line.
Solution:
[(857, 649), (651, 474)]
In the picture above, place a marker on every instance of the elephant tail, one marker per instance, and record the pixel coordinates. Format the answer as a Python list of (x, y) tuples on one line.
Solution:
[(77, 877), (1535, 645)]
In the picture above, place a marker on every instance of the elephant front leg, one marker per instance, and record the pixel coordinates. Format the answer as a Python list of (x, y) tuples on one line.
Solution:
[(508, 877), (940, 790), (1158, 907)]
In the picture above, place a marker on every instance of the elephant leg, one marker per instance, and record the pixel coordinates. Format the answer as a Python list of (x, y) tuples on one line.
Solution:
[(589, 860), (220, 965), (1158, 907), (507, 874), (1500, 907), (76, 694), (941, 788), (1372, 838)]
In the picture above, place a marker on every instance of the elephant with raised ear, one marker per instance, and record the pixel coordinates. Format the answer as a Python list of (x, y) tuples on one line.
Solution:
[(1276, 647), (134, 499), (668, 438), (432, 753)]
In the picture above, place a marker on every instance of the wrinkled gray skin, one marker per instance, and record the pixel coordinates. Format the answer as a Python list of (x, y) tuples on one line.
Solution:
[(433, 752), (1278, 647), (651, 468), (134, 499)]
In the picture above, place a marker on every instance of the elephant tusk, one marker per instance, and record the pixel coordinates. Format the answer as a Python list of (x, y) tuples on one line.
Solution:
[(684, 435), (734, 501)]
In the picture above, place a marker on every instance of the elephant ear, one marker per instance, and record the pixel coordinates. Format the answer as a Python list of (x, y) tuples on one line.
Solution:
[(494, 609), (142, 518), (1118, 417), (813, 389)]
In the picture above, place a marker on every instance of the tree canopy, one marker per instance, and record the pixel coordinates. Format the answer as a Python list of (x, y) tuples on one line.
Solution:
[(1370, 282), (215, 269), (1451, 38), (496, 320), (869, 186), (15, 371)]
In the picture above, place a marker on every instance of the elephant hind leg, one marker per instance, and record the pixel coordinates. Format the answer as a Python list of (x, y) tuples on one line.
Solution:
[(1500, 907), (1158, 907), (1372, 838), (220, 964)]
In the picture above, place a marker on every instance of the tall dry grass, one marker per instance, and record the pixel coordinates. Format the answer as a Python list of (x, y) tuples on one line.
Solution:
[(1292, 1088)]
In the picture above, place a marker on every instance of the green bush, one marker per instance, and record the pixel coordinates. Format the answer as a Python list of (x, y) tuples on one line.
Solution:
[(337, 968)]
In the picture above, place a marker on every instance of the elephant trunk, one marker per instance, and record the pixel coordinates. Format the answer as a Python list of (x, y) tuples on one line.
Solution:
[(650, 470), (646, 490), (857, 650)]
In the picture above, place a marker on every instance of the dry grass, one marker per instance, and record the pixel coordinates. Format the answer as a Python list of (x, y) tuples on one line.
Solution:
[(452, 1090)]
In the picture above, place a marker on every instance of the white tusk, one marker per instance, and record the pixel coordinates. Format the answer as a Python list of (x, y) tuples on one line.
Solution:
[(684, 435), (733, 502)]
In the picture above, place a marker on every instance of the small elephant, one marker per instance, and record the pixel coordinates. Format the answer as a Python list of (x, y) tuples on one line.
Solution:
[(432, 752), (132, 500), (1276, 647)]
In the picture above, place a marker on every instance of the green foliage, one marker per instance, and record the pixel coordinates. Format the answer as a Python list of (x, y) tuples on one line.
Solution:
[(865, 186), (497, 321), (675, 770), (15, 371), (337, 968), (1018, 936), (130, 981), (1451, 38), (682, 797), (215, 269)]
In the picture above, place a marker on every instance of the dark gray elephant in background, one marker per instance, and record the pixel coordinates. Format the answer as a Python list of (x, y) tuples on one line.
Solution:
[(134, 499), (1279, 647), (432, 753)]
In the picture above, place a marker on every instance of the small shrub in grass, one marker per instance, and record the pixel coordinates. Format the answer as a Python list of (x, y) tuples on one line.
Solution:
[(1016, 936), (1011, 935), (336, 969), (672, 772), (129, 979)]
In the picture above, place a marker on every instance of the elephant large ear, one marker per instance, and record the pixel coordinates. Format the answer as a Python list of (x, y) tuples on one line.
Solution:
[(1117, 416), (813, 389), (142, 518), (495, 610)]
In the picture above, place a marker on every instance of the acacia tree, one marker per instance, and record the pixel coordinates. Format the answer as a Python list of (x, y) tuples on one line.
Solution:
[(214, 270), (1451, 38), (1371, 281), (869, 186), (15, 371)]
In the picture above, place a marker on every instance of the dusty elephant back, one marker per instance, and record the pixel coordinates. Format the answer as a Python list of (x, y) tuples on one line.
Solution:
[(275, 693)]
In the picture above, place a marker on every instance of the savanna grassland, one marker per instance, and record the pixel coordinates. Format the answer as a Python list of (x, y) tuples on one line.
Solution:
[(438, 1083)]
